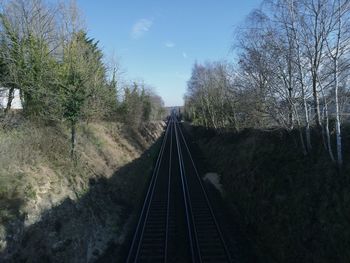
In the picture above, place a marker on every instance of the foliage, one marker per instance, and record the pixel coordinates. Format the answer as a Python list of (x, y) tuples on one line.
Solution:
[(60, 71), (140, 105)]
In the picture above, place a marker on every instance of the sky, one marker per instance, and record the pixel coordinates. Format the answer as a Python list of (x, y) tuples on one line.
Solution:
[(158, 41)]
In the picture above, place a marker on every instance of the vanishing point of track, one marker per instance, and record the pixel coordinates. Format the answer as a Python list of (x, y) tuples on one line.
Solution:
[(177, 222)]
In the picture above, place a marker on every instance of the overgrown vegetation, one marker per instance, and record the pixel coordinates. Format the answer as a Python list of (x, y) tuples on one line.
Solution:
[(292, 208)]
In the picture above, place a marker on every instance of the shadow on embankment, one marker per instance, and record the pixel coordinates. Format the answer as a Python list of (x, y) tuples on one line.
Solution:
[(92, 228), (292, 208)]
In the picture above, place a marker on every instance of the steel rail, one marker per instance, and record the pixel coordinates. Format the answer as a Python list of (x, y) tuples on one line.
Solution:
[(150, 202), (168, 201), (147, 203), (187, 208), (228, 255), (152, 238)]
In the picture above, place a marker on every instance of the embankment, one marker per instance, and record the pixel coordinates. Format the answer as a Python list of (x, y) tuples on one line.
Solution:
[(54, 211), (292, 208)]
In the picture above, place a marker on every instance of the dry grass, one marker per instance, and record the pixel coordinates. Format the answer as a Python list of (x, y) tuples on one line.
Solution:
[(36, 172)]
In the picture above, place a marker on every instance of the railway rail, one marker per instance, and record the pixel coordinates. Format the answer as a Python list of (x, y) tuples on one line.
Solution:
[(177, 222)]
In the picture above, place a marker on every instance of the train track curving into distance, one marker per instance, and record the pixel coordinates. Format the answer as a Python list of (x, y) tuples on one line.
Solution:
[(177, 222)]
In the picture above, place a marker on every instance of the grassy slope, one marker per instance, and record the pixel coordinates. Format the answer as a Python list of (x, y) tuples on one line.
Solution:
[(36, 176), (294, 209)]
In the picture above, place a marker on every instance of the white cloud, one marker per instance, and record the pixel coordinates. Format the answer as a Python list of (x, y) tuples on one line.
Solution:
[(184, 54), (169, 44), (140, 28)]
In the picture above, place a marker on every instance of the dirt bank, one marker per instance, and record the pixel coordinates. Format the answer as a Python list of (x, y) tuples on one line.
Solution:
[(54, 211), (292, 208)]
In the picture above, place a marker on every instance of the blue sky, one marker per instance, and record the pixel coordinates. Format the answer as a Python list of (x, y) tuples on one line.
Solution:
[(159, 41)]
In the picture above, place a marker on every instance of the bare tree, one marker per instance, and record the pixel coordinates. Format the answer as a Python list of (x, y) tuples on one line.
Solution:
[(338, 46), (293, 64)]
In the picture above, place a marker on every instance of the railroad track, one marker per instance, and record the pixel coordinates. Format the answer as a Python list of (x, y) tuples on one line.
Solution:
[(177, 222)]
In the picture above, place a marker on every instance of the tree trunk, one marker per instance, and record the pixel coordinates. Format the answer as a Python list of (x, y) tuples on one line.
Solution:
[(337, 114), (307, 121), (306, 110), (336, 58), (10, 97), (316, 102), (303, 147), (327, 144), (73, 140), (235, 120), (290, 90), (329, 137), (290, 115)]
